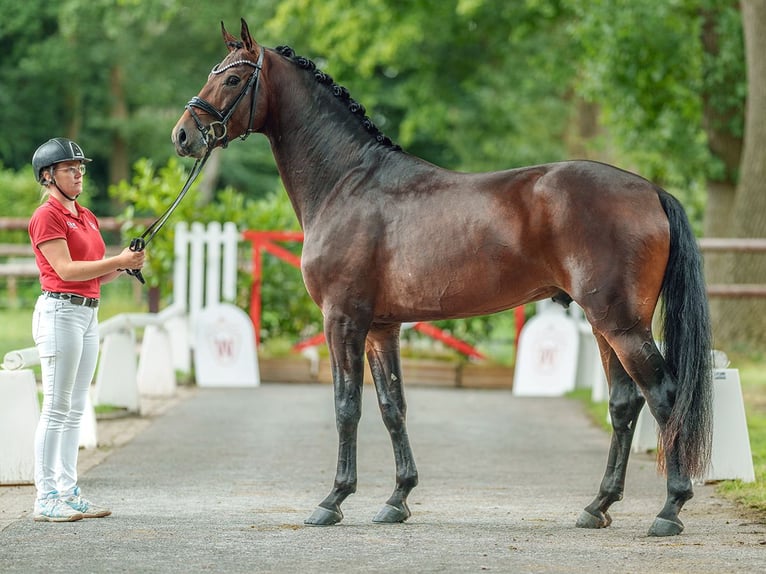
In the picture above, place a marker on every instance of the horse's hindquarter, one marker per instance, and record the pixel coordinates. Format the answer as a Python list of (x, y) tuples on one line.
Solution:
[(609, 241)]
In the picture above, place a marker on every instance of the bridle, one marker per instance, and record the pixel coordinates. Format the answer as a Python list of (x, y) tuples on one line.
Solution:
[(211, 137), (209, 133)]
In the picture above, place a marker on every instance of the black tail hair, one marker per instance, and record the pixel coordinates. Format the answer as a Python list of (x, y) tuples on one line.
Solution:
[(688, 345)]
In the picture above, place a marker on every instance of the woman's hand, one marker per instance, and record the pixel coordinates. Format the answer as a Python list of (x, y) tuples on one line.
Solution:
[(131, 259)]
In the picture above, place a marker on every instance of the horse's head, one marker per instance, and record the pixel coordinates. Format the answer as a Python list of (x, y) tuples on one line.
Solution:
[(227, 105)]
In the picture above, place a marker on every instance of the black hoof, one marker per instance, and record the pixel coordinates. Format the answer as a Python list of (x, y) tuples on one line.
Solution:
[(588, 520), (665, 527), (324, 517), (391, 514)]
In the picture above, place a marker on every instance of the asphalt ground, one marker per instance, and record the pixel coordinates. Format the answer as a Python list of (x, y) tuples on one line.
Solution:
[(220, 480)]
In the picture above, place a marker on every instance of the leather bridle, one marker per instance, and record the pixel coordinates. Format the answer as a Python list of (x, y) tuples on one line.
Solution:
[(210, 133)]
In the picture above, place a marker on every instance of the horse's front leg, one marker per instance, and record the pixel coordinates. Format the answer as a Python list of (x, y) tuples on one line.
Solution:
[(345, 340), (383, 356)]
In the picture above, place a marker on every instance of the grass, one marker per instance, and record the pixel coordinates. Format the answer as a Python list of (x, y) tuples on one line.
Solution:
[(752, 372), (117, 297)]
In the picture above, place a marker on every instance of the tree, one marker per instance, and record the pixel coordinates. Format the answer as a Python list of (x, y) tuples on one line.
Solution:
[(740, 322), (657, 87)]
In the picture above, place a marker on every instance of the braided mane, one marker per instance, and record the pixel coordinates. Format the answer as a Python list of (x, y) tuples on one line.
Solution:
[(339, 92)]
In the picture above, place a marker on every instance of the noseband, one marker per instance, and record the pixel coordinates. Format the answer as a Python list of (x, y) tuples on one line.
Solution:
[(209, 133)]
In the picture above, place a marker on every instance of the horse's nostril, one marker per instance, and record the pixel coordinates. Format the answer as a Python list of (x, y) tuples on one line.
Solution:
[(181, 136)]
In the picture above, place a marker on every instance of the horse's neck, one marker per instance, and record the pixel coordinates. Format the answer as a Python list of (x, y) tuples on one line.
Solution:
[(312, 156)]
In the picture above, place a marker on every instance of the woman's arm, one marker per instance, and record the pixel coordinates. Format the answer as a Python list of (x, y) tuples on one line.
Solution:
[(56, 251)]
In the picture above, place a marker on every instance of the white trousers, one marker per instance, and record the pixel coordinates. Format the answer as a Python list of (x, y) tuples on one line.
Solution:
[(66, 336)]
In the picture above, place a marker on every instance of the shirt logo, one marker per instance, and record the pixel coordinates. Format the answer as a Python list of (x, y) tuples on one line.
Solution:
[(93, 226), (71, 224)]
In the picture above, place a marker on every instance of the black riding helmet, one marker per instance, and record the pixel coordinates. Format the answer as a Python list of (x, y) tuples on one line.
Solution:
[(55, 151)]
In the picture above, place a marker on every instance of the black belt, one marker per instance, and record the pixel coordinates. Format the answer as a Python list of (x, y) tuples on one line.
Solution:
[(73, 299)]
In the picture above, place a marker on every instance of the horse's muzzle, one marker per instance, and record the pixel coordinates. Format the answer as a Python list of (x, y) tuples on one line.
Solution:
[(187, 139)]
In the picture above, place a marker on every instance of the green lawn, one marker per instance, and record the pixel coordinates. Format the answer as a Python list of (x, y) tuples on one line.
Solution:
[(752, 373), (120, 296)]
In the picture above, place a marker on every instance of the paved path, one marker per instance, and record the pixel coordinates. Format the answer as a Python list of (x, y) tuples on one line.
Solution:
[(222, 481)]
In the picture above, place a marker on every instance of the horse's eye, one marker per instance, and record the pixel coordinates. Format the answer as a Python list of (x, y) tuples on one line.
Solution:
[(232, 80)]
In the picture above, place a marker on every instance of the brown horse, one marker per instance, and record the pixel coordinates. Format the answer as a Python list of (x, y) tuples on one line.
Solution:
[(391, 238)]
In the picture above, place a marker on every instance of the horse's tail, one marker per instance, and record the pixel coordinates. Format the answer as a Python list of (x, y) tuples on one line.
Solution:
[(687, 346)]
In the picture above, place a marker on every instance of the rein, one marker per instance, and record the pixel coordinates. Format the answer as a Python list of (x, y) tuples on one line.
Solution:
[(140, 243), (211, 139)]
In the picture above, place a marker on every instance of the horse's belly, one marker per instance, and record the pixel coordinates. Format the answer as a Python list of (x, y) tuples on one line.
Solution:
[(450, 292)]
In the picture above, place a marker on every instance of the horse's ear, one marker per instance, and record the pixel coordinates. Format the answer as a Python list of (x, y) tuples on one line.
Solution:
[(231, 41), (250, 44)]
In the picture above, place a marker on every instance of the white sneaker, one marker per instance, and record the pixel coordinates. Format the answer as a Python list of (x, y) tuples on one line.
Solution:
[(89, 510), (54, 509)]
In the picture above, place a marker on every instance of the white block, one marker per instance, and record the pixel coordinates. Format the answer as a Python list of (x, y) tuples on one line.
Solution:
[(731, 457), (590, 371), (224, 348), (156, 376), (88, 427), (645, 436), (116, 383), (19, 413), (547, 355), (180, 342)]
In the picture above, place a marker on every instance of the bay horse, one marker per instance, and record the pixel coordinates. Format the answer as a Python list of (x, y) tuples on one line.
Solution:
[(392, 238)]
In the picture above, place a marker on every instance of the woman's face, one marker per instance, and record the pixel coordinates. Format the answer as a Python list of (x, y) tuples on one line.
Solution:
[(68, 175)]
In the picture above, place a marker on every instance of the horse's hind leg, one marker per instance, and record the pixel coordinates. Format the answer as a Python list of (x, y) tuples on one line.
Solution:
[(383, 356), (644, 361), (644, 364), (625, 403)]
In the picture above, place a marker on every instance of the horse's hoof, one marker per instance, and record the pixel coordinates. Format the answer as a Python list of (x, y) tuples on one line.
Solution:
[(324, 517), (391, 514), (588, 520), (665, 527)]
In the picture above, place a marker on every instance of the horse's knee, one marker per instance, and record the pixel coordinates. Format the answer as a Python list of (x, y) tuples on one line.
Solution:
[(347, 417)]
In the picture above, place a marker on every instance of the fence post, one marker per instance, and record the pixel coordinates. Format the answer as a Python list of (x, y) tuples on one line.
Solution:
[(212, 263), (181, 265), (230, 250)]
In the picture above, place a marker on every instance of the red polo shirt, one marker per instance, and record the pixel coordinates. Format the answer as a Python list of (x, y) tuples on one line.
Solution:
[(54, 221)]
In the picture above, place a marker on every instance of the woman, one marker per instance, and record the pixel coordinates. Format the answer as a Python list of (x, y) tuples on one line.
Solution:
[(69, 252)]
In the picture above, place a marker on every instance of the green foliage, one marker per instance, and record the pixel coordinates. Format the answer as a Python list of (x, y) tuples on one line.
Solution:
[(467, 84), (21, 195), (642, 69), (148, 194)]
